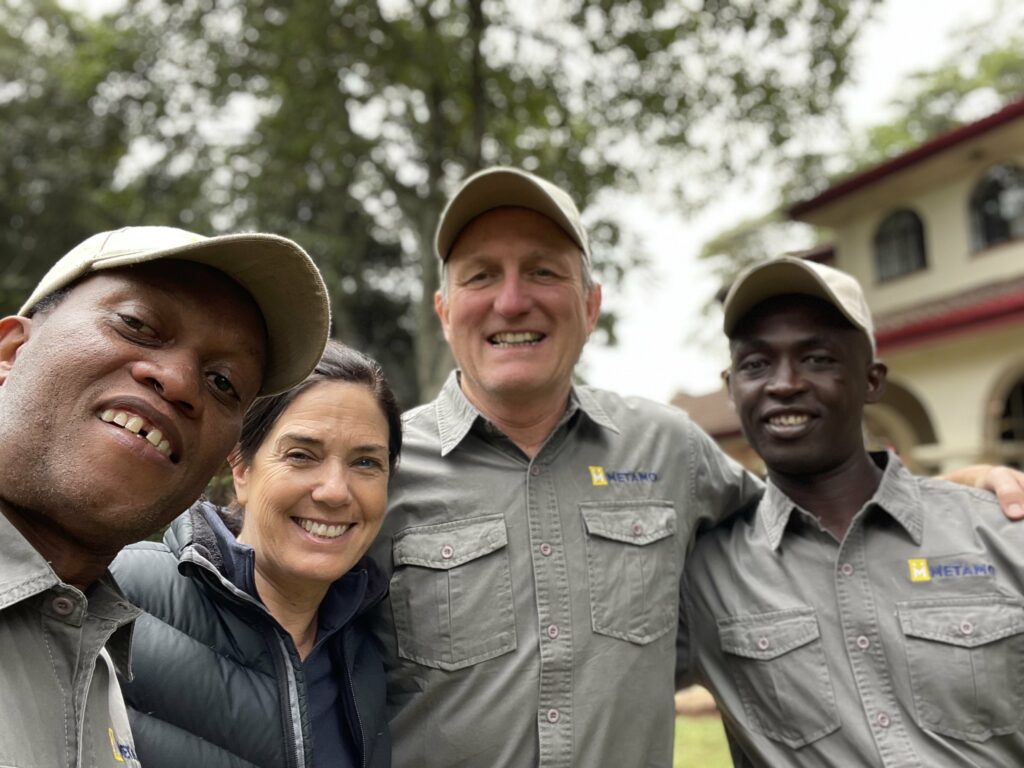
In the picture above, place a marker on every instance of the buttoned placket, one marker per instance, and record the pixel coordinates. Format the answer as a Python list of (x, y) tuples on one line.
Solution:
[(550, 571), (865, 652)]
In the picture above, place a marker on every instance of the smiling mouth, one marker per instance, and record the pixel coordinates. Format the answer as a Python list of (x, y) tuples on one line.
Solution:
[(321, 530), (789, 419), (138, 426), (519, 339)]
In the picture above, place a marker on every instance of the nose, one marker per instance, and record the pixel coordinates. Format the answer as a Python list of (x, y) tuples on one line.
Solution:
[(331, 488), (177, 378), (513, 297), (785, 380)]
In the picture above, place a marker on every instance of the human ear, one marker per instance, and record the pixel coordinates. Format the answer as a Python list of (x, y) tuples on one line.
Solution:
[(14, 332), (240, 477), (593, 308), (441, 308), (877, 373)]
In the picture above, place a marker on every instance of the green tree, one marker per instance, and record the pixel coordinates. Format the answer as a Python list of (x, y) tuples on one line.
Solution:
[(346, 124)]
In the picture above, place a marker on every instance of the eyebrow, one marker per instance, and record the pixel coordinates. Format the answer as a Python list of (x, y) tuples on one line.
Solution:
[(297, 437), (301, 439)]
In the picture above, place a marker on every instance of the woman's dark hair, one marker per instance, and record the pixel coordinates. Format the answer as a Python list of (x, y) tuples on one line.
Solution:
[(339, 363)]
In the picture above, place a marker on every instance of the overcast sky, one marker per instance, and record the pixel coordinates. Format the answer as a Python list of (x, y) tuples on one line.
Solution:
[(655, 357)]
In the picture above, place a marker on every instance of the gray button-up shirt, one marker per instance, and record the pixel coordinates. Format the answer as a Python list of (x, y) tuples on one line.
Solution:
[(901, 646), (533, 608), (60, 705)]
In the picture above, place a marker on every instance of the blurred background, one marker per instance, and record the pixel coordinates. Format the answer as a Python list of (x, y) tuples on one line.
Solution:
[(883, 136)]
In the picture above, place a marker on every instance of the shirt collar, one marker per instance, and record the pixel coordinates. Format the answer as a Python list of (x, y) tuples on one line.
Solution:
[(897, 495), (107, 601), (456, 415), (23, 571)]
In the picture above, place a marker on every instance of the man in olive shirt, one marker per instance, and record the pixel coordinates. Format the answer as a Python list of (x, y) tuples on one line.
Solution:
[(123, 383), (857, 615), (536, 529)]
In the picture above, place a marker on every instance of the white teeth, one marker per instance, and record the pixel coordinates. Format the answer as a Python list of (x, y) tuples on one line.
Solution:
[(134, 424), (789, 419), (508, 339), (324, 531)]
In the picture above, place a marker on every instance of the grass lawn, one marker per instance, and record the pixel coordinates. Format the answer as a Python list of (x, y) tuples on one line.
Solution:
[(700, 743)]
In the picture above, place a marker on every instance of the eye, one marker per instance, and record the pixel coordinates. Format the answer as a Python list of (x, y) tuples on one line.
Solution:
[(222, 385), (820, 358), (136, 326), (475, 277), (298, 456), (752, 365), (369, 462)]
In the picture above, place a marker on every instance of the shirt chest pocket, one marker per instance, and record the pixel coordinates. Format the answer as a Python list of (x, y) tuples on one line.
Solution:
[(633, 569), (966, 662), (778, 664), (451, 593)]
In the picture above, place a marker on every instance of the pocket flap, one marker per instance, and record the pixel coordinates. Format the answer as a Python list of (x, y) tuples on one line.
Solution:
[(629, 523), (766, 636), (964, 621), (446, 545)]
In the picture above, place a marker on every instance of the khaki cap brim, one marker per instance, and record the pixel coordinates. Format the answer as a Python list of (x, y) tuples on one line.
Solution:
[(501, 187), (789, 275), (279, 275)]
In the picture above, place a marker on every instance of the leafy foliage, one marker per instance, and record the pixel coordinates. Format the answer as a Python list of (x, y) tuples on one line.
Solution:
[(346, 123)]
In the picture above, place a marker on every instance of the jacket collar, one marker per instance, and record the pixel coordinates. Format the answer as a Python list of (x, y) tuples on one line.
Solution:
[(456, 415), (199, 538), (897, 496)]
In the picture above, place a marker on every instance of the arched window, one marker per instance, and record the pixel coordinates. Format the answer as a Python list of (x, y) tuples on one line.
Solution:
[(997, 206), (899, 245), (1011, 425)]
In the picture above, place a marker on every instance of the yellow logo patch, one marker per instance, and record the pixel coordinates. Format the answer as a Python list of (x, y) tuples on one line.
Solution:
[(919, 570), (597, 476)]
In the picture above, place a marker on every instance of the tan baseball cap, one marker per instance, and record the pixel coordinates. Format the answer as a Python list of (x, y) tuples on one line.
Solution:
[(500, 187), (281, 278), (788, 275)]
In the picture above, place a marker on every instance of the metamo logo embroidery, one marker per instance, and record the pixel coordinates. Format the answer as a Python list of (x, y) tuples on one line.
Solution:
[(919, 570), (601, 476), (122, 752), (922, 570)]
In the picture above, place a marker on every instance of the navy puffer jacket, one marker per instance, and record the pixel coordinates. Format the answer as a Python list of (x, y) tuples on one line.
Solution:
[(216, 681)]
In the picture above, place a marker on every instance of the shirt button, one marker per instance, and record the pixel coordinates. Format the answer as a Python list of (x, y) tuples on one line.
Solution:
[(846, 569), (546, 549), (534, 470), (863, 643), (763, 643), (883, 720), (553, 715), (966, 628), (552, 631), (637, 529), (447, 551), (62, 606)]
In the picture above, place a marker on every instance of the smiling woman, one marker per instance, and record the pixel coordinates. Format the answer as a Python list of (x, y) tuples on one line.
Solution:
[(234, 611)]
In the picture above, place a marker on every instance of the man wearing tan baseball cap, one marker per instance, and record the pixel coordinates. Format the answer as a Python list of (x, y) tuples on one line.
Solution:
[(537, 527), (857, 615), (123, 382)]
